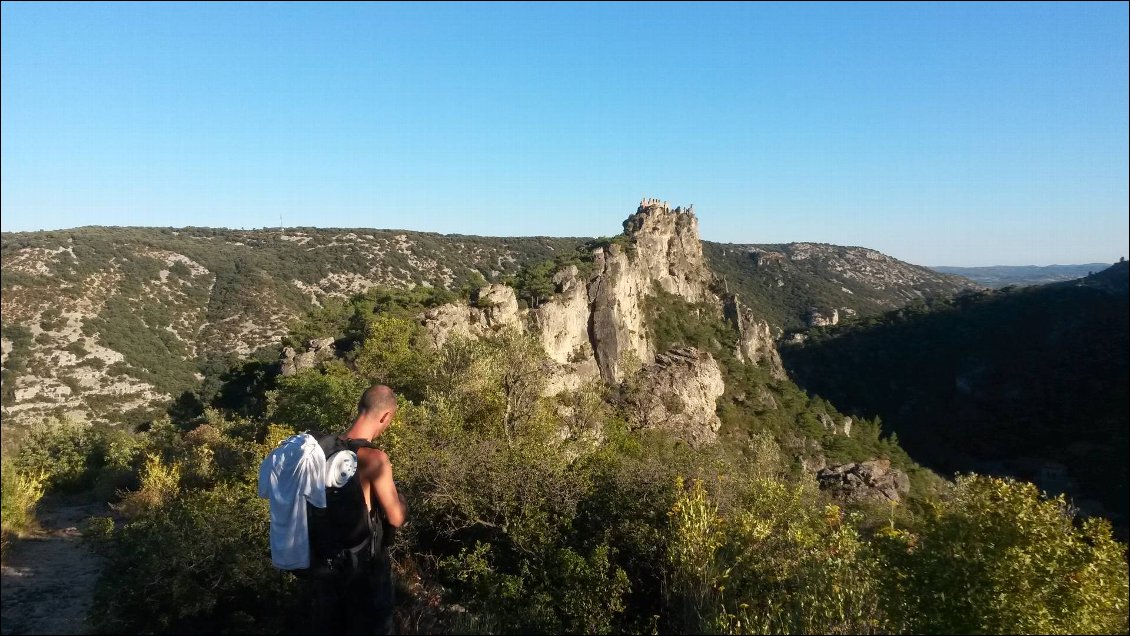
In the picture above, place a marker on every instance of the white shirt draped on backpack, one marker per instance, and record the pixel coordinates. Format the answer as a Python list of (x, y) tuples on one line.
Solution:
[(289, 477)]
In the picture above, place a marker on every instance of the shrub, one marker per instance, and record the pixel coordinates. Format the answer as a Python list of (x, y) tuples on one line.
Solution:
[(61, 451), (996, 558), (584, 412), (78, 350), (630, 489), (276, 433), (396, 352), (556, 591), (119, 458), (22, 490), (777, 563), (316, 400), (160, 482), (199, 563), (164, 438), (52, 319)]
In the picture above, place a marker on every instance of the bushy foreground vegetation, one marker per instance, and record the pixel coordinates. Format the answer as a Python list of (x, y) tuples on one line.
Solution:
[(532, 515)]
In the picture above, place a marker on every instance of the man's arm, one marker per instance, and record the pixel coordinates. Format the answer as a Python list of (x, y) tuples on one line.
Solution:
[(378, 470)]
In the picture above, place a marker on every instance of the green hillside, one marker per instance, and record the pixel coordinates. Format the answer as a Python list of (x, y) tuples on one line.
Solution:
[(145, 313), (1030, 382), (783, 282)]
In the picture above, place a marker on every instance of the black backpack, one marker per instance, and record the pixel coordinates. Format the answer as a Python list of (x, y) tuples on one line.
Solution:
[(343, 536)]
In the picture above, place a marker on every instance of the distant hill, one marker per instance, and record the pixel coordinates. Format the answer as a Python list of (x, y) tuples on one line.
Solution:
[(126, 318), (1030, 382), (784, 283), (106, 321), (999, 276)]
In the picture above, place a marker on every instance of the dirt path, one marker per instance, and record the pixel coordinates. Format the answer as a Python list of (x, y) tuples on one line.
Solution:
[(48, 579)]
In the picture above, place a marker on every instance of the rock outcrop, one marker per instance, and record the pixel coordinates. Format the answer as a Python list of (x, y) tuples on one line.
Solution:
[(174, 274), (562, 325), (755, 337), (767, 258), (593, 325), (317, 351), (871, 480), (664, 250), (495, 307), (816, 318), (830, 425), (616, 323), (598, 323), (492, 308), (669, 251), (562, 321), (678, 392)]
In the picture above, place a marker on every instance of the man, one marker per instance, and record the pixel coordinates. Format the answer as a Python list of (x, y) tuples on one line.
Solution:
[(374, 415), (360, 601)]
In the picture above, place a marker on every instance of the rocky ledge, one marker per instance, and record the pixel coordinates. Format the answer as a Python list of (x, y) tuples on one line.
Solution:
[(871, 480)]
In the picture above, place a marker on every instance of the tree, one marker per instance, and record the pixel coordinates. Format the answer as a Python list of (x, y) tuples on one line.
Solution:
[(319, 400), (534, 283), (396, 352)]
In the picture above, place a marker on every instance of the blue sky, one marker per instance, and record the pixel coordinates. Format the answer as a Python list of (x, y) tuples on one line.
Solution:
[(964, 134)]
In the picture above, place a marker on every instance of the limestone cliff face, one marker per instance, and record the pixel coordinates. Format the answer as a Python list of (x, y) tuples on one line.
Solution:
[(494, 307), (562, 322), (678, 392), (669, 251), (616, 323), (756, 344), (597, 323), (664, 249), (562, 325), (593, 325)]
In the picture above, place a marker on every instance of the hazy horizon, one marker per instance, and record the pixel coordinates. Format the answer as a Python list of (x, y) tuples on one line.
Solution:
[(955, 135)]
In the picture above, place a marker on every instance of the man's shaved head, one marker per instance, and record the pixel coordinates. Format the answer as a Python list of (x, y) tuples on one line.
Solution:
[(377, 399)]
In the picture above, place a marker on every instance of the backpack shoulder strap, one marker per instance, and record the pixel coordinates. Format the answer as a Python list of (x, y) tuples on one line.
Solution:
[(332, 443), (355, 444)]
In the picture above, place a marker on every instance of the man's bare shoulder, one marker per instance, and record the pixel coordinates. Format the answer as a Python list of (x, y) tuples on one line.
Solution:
[(372, 455)]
